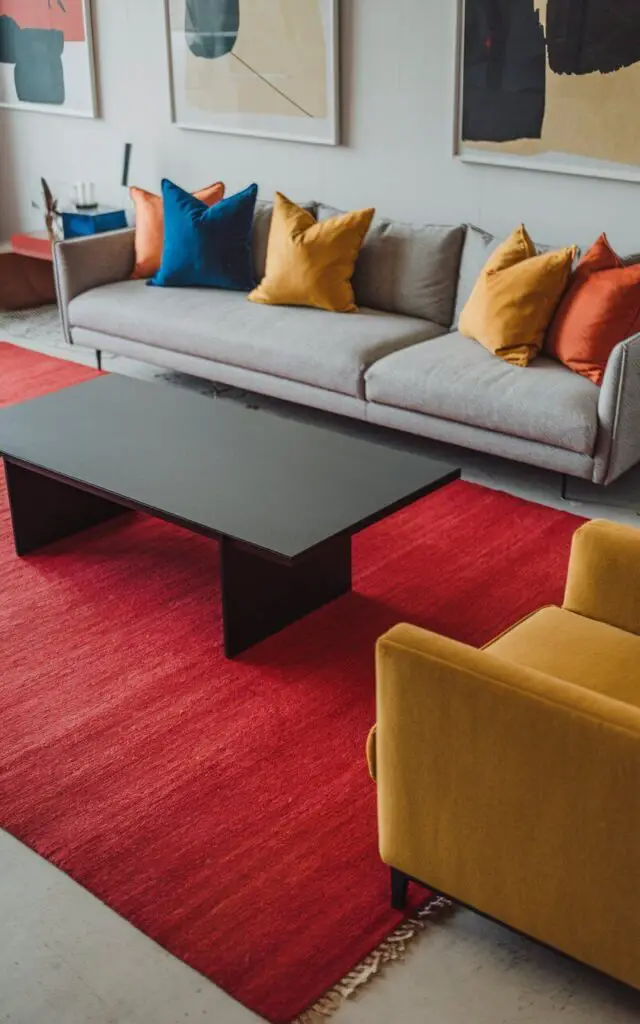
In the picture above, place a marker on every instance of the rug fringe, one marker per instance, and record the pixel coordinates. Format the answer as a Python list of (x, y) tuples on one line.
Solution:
[(392, 949)]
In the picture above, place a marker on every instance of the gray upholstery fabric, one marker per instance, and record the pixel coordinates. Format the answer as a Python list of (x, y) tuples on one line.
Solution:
[(84, 263), (407, 269), (325, 212), (326, 350), (223, 373), (547, 456), (454, 378), (261, 228), (478, 247), (618, 446), (414, 423)]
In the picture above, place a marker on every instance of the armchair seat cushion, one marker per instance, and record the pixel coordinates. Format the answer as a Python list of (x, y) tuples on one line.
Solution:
[(576, 649)]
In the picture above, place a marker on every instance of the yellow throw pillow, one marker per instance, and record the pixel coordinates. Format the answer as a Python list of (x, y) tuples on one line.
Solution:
[(515, 298), (310, 262)]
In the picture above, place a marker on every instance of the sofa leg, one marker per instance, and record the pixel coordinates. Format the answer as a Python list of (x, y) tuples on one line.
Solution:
[(399, 886), (99, 358), (610, 496)]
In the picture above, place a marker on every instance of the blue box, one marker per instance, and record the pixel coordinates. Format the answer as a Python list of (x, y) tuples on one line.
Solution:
[(77, 223)]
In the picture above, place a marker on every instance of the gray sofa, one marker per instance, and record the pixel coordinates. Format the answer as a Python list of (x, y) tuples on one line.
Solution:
[(399, 362)]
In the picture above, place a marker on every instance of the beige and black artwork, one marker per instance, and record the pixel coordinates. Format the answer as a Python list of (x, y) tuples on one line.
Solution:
[(552, 84), (263, 67)]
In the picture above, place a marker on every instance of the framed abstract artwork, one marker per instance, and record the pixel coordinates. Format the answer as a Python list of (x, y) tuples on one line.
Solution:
[(255, 67), (46, 57), (551, 85)]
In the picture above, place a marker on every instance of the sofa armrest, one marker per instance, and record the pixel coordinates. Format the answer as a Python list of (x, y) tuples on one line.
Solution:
[(604, 574), (618, 444), (81, 264), (503, 788)]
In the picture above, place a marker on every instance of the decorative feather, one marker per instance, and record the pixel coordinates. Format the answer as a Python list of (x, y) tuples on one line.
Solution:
[(51, 211)]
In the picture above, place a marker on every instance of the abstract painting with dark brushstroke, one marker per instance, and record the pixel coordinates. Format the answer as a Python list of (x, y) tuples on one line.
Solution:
[(212, 27), (505, 71), (32, 39), (263, 67), (584, 36), (552, 77)]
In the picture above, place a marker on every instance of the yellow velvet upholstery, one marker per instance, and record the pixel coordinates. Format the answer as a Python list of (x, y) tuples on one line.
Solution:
[(509, 778), (582, 651), (604, 575)]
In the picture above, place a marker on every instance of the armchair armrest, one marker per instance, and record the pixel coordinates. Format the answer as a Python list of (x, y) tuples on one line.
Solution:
[(511, 791), (618, 443), (84, 263), (604, 574)]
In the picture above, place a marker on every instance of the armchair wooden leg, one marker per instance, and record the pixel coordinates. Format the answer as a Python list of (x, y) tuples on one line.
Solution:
[(399, 886), (99, 358)]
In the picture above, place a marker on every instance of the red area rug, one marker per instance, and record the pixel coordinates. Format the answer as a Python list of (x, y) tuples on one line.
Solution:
[(224, 808)]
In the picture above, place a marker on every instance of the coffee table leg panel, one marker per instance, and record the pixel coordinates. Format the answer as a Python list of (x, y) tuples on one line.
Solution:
[(261, 597), (44, 510)]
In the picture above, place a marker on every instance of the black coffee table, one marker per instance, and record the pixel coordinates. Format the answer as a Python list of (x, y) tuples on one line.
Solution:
[(284, 498)]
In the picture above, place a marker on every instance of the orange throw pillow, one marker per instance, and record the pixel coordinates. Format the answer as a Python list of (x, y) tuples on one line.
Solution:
[(600, 309), (150, 226)]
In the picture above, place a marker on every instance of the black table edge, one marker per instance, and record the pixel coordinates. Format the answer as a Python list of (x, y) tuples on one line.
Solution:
[(448, 477)]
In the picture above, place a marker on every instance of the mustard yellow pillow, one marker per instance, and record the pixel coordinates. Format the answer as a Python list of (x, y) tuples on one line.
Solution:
[(310, 262), (515, 298)]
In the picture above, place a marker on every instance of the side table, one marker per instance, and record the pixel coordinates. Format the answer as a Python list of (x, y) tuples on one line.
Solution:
[(26, 272), (34, 244)]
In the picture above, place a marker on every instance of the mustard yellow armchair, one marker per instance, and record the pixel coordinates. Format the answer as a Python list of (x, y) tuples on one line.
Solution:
[(509, 778)]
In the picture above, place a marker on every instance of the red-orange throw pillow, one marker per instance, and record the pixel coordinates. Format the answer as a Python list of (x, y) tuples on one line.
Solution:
[(601, 307)]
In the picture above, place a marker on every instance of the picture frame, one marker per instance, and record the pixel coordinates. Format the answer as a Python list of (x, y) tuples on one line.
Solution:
[(288, 90), (54, 48), (548, 158)]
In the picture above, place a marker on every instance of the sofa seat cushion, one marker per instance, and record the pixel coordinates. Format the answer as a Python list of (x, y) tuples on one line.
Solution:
[(454, 378), (407, 269), (325, 350), (577, 650)]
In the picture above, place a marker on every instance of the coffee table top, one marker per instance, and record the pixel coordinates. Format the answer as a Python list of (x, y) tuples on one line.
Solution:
[(216, 466)]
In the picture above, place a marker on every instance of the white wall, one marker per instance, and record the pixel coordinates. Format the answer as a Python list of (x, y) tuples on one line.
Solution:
[(398, 59)]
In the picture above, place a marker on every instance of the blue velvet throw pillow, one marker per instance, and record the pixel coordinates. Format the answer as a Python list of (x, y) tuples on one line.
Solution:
[(207, 246)]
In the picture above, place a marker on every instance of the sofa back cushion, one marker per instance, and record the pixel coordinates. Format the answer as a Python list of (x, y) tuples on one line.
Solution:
[(261, 228), (478, 246), (407, 269)]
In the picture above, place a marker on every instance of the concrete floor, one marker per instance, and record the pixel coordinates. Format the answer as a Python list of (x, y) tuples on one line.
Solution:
[(65, 958)]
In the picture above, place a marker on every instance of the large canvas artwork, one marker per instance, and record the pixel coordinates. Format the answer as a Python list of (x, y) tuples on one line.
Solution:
[(46, 56), (255, 67), (552, 85)]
